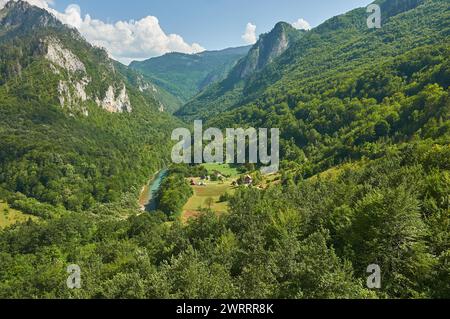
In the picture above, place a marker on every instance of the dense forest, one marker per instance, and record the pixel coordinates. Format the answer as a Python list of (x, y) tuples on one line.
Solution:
[(310, 239), (365, 176)]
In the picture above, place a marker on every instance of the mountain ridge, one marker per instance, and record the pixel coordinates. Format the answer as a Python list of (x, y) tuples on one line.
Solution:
[(310, 92), (226, 96), (184, 75)]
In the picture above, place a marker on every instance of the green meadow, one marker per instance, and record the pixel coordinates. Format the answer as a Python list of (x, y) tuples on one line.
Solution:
[(9, 216)]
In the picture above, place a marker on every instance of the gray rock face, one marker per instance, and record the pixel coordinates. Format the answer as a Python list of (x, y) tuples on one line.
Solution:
[(21, 13), (116, 104), (62, 57), (73, 92), (268, 48)]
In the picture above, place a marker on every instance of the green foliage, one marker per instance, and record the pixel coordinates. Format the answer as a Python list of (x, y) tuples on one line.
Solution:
[(185, 75), (33, 207), (310, 239), (173, 193), (189, 170), (56, 154), (280, 243)]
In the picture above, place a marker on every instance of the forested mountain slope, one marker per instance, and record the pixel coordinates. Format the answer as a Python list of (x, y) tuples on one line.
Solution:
[(74, 129), (184, 75), (166, 101), (340, 44), (343, 91), (221, 95), (365, 122)]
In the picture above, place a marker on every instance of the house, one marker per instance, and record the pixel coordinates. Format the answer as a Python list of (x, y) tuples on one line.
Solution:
[(217, 174), (248, 180)]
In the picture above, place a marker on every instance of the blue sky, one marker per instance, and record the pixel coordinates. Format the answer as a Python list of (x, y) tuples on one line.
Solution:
[(141, 29), (214, 24)]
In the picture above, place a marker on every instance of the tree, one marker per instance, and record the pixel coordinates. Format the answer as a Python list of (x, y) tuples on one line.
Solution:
[(209, 202), (388, 231)]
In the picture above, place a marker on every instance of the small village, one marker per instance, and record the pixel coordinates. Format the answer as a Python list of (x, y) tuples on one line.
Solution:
[(213, 189), (218, 177)]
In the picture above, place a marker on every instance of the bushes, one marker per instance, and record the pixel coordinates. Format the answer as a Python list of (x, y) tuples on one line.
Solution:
[(189, 170), (173, 193), (224, 197), (33, 207)]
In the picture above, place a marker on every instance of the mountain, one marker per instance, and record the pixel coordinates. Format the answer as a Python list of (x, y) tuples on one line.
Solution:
[(76, 127), (343, 90), (265, 51), (19, 18), (220, 95), (342, 86), (364, 119), (184, 75)]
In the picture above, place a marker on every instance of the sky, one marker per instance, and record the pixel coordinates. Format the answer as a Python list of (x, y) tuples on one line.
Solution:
[(140, 29)]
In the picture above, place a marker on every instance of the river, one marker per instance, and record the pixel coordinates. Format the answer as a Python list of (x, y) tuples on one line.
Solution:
[(147, 199)]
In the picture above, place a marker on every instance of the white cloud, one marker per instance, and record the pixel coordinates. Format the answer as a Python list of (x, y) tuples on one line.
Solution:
[(124, 40), (301, 24), (250, 34)]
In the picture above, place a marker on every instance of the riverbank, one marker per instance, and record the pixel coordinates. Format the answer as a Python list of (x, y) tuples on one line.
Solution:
[(144, 196), (148, 192)]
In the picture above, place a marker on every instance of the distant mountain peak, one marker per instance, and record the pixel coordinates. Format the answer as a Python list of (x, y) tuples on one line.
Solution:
[(269, 46), (20, 4), (21, 14), (282, 25), (63, 55)]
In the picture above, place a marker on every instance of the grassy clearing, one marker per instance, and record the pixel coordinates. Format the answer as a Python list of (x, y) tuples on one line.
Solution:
[(9, 216), (201, 195), (334, 172)]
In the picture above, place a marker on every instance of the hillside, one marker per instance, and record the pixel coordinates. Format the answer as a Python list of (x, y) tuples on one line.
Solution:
[(75, 130), (221, 95), (184, 75), (365, 127), (343, 90)]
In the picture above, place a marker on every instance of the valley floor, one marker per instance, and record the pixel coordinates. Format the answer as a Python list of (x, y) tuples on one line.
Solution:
[(202, 194)]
